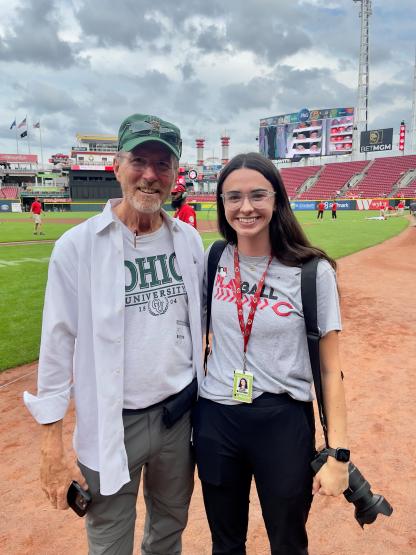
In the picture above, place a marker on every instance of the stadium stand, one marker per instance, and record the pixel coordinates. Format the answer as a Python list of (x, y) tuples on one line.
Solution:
[(9, 192), (409, 191), (333, 178), (382, 177), (382, 174), (293, 178)]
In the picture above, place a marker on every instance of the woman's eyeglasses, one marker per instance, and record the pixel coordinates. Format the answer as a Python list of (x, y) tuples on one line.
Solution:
[(256, 198)]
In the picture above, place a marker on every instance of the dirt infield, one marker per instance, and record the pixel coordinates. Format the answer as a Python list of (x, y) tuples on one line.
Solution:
[(378, 288)]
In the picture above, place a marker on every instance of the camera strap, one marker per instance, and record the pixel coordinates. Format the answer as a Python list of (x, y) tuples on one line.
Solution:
[(309, 302), (310, 314)]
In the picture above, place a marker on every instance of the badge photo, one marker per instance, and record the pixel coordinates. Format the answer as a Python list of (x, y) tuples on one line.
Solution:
[(243, 386)]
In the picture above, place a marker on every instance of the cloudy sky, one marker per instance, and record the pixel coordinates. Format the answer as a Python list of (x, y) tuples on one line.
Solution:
[(208, 65)]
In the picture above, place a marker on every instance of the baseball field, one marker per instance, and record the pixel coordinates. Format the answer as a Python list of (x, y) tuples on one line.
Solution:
[(376, 274), (23, 266)]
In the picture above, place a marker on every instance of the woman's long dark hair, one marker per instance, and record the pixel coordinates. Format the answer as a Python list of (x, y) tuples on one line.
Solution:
[(289, 243)]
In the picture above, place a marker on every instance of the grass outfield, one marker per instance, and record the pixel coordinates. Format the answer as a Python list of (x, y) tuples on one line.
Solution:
[(19, 226), (23, 268), (23, 271)]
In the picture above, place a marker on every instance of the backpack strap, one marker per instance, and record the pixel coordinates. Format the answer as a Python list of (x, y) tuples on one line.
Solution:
[(310, 313), (214, 256), (313, 334)]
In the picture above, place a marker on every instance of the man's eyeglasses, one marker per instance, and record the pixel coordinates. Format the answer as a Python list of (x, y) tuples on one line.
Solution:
[(257, 198), (139, 163)]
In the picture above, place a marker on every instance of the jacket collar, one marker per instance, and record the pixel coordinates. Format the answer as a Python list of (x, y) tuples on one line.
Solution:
[(107, 217)]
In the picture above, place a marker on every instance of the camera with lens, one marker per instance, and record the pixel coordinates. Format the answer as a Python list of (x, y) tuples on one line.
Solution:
[(367, 504)]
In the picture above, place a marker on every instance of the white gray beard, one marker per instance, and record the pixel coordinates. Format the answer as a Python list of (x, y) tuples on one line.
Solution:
[(149, 206)]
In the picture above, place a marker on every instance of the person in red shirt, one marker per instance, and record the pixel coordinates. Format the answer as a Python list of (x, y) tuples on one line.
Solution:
[(400, 208), (36, 210), (183, 211), (321, 208), (334, 210)]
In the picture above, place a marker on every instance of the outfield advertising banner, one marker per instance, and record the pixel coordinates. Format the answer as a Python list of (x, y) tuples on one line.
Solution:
[(5, 206), (377, 140), (303, 205), (341, 204), (313, 204), (18, 158), (307, 133), (371, 204)]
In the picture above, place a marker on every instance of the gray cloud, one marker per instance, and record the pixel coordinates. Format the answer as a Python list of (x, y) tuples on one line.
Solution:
[(33, 37), (210, 39), (268, 30), (385, 92), (269, 39), (41, 97), (129, 27), (189, 99), (137, 21), (184, 61), (257, 93), (392, 118), (289, 89), (187, 69)]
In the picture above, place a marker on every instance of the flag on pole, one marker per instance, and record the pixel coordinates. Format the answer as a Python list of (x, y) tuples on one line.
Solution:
[(36, 125), (13, 124), (23, 135), (22, 124)]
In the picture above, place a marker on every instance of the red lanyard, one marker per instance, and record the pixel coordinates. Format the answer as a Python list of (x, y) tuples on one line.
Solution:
[(246, 328)]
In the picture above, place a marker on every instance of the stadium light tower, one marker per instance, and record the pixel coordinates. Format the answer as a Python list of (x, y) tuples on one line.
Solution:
[(361, 110)]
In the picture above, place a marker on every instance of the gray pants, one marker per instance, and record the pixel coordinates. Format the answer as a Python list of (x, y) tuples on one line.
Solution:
[(168, 471)]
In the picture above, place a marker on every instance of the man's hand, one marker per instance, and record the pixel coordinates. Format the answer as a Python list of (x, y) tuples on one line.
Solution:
[(56, 473)]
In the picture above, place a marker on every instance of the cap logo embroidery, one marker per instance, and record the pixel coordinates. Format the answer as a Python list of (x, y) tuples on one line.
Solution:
[(155, 125)]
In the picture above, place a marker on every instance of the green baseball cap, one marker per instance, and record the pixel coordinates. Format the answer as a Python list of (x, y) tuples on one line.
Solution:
[(140, 128)]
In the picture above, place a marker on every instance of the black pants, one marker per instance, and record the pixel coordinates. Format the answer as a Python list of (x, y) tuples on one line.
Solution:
[(272, 440), (320, 215), (334, 214)]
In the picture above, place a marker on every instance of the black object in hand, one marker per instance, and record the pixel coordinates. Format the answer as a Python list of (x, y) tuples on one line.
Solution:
[(78, 498), (367, 504)]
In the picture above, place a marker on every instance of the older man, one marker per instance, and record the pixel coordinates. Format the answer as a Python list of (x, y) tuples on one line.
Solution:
[(121, 334)]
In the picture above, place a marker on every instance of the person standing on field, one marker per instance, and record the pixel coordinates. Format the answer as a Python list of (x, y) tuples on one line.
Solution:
[(254, 415), (121, 335), (184, 211), (334, 210), (36, 210), (321, 208), (400, 207)]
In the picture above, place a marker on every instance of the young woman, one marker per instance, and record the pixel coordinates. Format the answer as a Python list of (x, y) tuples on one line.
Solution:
[(259, 334)]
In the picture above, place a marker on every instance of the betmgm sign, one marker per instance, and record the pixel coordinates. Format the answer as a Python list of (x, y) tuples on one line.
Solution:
[(376, 140)]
